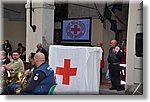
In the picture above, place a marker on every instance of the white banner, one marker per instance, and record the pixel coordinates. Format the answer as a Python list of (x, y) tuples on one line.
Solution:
[(76, 69)]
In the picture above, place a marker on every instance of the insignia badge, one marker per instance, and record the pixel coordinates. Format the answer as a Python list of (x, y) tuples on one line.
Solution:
[(75, 29), (36, 78), (48, 68)]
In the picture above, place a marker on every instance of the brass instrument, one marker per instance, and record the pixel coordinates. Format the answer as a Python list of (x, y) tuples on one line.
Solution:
[(19, 78), (9, 77), (13, 78)]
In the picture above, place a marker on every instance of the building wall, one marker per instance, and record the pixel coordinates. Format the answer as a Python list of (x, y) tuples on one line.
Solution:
[(134, 68), (98, 32), (1, 27), (82, 10), (43, 18), (15, 32), (103, 35)]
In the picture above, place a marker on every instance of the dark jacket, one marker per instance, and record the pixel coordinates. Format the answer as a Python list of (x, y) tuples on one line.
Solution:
[(7, 48), (4, 61), (48, 81), (41, 81), (115, 57), (42, 50)]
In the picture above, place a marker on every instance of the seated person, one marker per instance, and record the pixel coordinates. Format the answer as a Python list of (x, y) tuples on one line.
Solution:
[(22, 83), (30, 71), (3, 60), (22, 51), (32, 64), (41, 80), (14, 67), (6, 46)]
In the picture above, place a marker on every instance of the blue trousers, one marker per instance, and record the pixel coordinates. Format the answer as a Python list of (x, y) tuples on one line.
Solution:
[(11, 88)]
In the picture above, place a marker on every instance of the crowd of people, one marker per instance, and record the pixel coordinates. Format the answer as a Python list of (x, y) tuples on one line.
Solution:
[(6, 46), (39, 77)]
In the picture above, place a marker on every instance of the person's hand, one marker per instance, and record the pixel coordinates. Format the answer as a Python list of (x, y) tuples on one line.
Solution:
[(114, 51), (18, 91), (18, 81), (28, 72), (2, 69), (4, 65)]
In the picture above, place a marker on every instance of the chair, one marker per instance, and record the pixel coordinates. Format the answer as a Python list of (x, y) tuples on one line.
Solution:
[(51, 90)]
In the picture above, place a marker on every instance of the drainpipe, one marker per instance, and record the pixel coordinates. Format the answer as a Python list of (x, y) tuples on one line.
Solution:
[(32, 26)]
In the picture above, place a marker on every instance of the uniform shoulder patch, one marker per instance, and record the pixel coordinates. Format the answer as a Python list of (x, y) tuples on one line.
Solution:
[(36, 78), (49, 68)]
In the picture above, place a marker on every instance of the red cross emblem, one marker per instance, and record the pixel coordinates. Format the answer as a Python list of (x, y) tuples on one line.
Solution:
[(75, 29), (66, 71)]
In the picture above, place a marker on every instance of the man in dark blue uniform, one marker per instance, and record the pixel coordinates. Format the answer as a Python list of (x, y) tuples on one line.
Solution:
[(114, 58), (42, 78)]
